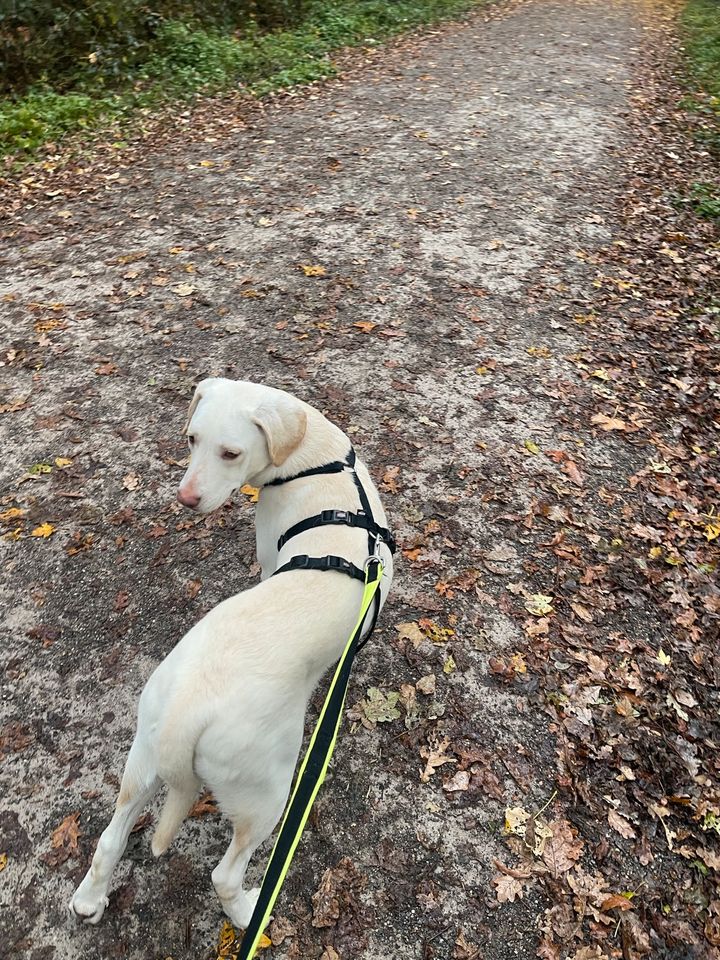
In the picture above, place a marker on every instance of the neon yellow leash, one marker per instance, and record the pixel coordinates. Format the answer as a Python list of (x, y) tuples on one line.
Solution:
[(311, 773)]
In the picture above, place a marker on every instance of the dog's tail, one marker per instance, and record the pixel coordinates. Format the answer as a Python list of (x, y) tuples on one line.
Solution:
[(175, 759)]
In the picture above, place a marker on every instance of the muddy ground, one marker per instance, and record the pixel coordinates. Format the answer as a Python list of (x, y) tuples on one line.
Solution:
[(457, 191)]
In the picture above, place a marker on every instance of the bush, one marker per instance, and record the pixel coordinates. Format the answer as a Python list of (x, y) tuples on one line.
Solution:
[(61, 42)]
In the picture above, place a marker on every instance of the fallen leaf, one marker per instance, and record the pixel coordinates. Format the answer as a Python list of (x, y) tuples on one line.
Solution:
[(184, 289), (426, 684), (507, 889), (608, 423), (460, 782), (365, 325), (389, 480), (539, 605), (64, 840), (379, 707), (562, 849), (193, 588), (204, 805), (252, 492), (621, 825), (435, 755), (45, 530), (616, 902), (312, 270), (411, 632), (12, 513), (449, 666), (570, 469), (516, 819)]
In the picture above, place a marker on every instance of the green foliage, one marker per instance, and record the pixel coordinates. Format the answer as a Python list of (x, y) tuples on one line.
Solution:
[(45, 116), (705, 200), (701, 21), (701, 24), (62, 41), (99, 61)]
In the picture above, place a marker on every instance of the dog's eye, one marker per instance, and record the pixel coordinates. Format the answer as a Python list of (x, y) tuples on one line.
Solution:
[(229, 455)]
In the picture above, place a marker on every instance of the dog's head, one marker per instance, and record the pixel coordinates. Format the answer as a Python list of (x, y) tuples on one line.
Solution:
[(236, 431)]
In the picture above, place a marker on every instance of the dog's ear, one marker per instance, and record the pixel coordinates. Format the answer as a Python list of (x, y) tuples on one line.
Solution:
[(283, 421), (197, 397)]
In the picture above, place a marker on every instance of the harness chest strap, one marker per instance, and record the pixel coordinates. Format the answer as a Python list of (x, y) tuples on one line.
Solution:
[(339, 517)]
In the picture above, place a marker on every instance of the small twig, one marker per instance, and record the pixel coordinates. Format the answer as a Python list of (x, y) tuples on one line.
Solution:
[(546, 805), (508, 871)]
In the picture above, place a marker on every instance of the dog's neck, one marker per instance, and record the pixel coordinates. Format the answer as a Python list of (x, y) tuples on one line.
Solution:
[(323, 443)]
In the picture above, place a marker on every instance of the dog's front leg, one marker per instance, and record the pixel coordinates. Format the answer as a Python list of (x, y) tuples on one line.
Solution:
[(137, 789)]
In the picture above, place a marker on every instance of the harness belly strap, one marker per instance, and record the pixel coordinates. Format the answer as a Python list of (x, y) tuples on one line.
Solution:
[(304, 562)]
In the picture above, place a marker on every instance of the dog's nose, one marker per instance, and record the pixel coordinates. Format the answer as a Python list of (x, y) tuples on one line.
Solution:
[(191, 500)]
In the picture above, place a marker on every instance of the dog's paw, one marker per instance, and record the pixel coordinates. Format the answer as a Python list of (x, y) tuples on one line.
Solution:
[(88, 909), (240, 910)]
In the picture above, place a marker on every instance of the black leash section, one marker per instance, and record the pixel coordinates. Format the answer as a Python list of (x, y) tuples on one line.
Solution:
[(311, 774)]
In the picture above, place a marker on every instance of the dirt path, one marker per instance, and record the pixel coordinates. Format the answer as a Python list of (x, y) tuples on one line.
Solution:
[(455, 196)]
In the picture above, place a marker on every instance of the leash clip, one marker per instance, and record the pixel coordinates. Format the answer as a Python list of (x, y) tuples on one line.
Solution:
[(375, 555)]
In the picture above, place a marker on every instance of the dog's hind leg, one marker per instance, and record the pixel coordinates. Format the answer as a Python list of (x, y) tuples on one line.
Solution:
[(253, 819), (228, 876), (139, 784)]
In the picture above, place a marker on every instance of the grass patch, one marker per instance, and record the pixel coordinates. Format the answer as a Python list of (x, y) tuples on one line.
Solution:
[(701, 27), (187, 60)]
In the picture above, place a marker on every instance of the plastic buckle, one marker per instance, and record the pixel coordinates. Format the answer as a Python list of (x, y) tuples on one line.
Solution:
[(335, 563), (300, 561)]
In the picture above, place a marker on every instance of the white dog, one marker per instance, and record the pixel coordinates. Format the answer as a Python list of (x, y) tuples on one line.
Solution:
[(226, 706)]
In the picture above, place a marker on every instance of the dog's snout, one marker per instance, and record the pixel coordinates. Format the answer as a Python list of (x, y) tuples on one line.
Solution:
[(191, 500)]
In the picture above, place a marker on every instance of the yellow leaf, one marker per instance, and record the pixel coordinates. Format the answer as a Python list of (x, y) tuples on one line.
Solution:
[(176, 250), (12, 513), (601, 374), (712, 530), (449, 665), (3, 860), (312, 271), (207, 163), (184, 289), (62, 462), (664, 658), (539, 605), (44, 530), (517, 662), (264, 942), (365, 325), (532, 447), (655, 553), (483, 371), (539, 352), (674, 560), (515, 820), (226, 939), (252, 492)]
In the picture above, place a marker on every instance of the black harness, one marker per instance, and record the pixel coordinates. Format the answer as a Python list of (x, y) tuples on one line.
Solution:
[(362, 519)]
